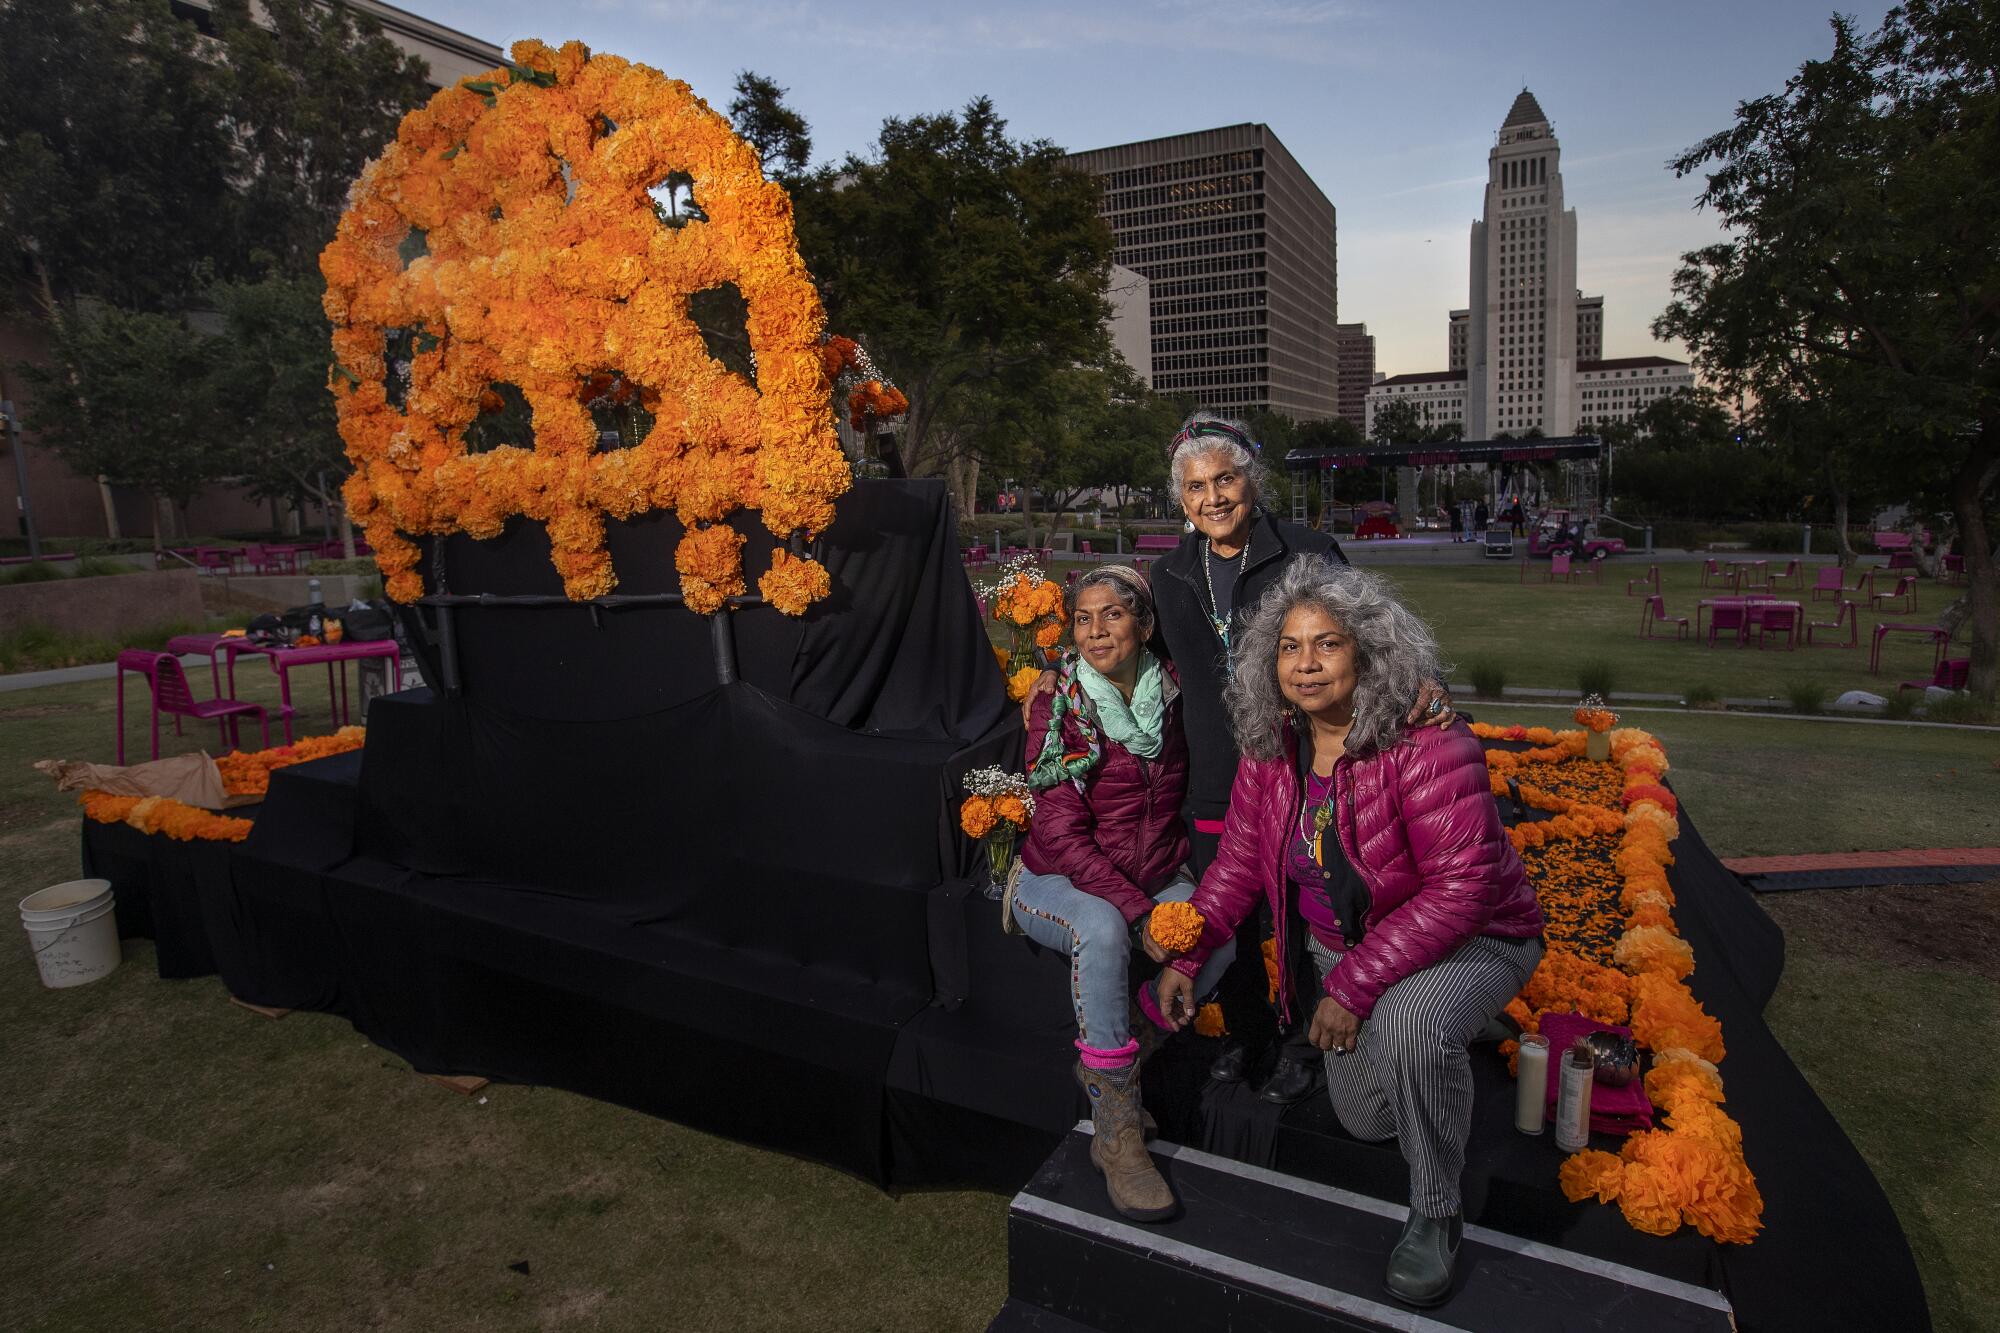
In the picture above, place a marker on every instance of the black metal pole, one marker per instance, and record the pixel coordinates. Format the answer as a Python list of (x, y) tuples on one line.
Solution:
[(722, 634)]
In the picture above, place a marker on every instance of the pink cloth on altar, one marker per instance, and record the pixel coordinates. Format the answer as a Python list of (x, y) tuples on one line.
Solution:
[(1623, 1110)]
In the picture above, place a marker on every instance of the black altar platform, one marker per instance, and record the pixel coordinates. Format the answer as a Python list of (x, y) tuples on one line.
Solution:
[(743, 906)]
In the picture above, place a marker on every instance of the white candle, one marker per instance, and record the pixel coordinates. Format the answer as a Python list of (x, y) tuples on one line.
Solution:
[(1579, 1075), (1531, 1087)]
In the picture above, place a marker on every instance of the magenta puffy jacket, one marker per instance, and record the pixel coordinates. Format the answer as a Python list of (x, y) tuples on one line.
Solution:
[(1121, 837), (1419, 824)]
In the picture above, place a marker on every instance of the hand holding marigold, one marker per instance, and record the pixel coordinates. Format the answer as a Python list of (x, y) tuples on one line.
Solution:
[(1176, 927)]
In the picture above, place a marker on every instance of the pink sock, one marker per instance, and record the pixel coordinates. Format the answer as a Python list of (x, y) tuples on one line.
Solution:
[(1094, 1058)]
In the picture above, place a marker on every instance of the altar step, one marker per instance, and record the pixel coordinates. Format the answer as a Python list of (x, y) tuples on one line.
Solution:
[(1253, 1249)]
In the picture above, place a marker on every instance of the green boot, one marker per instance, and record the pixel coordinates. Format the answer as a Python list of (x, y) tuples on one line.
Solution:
[(1118, 1147), (1420, 1266)]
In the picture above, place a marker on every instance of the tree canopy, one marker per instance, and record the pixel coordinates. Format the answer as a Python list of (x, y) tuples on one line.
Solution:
[(1858, 275), (973, 268)]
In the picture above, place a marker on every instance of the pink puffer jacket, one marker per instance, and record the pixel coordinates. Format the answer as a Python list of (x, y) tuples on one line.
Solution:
[(1418, 823), (1121, 837)]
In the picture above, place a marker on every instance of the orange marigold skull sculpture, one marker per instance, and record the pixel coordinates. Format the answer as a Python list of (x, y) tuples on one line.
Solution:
[(546, 266)]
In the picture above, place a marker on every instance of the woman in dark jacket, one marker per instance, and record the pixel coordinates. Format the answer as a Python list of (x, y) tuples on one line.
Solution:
[(1382, 847), (1108, 752)]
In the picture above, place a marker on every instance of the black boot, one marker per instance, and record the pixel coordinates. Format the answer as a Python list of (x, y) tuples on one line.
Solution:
[(1420, 1267), (1291, 1081), (1235, 1062)]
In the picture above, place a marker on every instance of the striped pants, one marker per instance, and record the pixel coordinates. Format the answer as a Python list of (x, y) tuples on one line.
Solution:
[(1409, 1077)]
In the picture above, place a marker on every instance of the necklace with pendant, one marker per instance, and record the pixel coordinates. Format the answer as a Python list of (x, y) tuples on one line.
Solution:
[(1322, 819), (1217, 621)]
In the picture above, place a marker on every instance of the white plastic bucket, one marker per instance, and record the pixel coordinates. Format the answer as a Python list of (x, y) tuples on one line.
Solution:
[(72, 931)]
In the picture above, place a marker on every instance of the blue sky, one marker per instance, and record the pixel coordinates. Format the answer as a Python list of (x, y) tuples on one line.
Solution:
[(1391, 107)]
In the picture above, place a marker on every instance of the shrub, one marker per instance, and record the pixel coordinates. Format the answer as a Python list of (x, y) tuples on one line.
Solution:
[(361, 564), (1703, 695), (1597, 678), (39, 572), (1489, 678), (1806, 696), (1900, 706), (1962, 708)]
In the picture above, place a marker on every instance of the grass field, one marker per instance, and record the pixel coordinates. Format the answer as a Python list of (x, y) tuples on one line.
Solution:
[(1544, 634), (167, 1160)]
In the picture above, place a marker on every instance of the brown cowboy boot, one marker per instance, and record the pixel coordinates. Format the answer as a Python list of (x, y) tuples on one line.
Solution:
[(1118, 1148)]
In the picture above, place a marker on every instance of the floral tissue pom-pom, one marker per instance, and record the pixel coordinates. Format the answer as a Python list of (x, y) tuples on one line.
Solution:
[(1177, 927)]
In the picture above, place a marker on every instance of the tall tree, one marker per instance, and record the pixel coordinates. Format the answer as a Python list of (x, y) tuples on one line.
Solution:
[(315, 90), (972, 266), (116, 157), (131, 399), (780, 134), (1859, 268), (1397, 422), (268, 374)]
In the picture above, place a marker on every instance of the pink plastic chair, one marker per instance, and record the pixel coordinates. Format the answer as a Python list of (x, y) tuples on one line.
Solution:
[(1559, 569), (1735, 619), (1949, 674), (1791, 576), (1653, 611), (1710, 570), (1651, 581), (1830, 580), (170, 693), (1778, 619), (1849, 616), (1906, 592)]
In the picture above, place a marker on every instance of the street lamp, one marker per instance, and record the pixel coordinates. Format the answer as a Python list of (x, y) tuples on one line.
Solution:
[(10, 419)]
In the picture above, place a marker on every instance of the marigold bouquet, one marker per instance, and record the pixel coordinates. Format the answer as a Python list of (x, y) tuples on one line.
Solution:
[(1176, 927), (1029, 605), (998, 808)]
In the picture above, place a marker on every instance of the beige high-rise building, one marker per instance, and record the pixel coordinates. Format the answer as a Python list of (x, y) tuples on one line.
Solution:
[(1521, 349), (1237, 244)]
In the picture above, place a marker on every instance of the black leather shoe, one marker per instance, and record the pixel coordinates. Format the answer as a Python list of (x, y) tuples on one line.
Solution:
[(1420, 1267), (1233, 1065), (1291, 1081)]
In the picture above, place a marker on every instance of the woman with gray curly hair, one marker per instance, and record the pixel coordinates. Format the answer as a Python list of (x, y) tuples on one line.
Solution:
[(1234, 550), (1378, 848)]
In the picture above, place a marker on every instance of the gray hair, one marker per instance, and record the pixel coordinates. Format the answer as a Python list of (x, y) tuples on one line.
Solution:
[(1394, 654), (1131, 588), (1188, 445)]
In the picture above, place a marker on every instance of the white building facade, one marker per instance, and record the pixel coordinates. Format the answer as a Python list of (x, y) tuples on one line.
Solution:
[(1526, 355), (1617, 390)]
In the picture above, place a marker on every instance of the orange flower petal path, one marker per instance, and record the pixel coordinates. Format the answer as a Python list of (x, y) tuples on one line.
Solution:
[(1599, 869)]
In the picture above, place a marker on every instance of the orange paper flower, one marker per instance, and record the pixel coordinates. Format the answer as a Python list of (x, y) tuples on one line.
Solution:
[(1176, 927)]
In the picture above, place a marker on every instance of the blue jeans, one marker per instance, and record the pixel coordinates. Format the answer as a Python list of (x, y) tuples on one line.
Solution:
[(1055, 913)]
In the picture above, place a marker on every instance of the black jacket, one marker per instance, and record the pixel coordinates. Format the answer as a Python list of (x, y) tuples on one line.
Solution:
[(1185, 637)]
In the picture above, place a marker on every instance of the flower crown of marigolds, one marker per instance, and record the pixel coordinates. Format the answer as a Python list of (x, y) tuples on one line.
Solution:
[(543, 264)]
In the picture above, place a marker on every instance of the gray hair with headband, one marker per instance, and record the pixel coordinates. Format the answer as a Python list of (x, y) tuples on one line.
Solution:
[(1211, 432), (1128, 585)]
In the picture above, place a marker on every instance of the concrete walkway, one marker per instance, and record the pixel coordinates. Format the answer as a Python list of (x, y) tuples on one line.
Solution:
[(1911, 859), (34, 680)]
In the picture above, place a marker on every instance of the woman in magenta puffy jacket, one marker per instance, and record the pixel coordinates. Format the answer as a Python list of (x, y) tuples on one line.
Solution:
[(1107, 752), (1380, 850)]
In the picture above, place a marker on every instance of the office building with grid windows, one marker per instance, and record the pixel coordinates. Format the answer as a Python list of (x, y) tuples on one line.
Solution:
[(1236, 243)]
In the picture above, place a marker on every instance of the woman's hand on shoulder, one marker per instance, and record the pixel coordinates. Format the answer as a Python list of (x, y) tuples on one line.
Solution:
[(1044, 684), (1432, 708)]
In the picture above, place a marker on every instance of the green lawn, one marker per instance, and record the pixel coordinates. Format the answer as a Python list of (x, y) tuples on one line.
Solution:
[(169, 1160), (1768, 786), (1542, 634)]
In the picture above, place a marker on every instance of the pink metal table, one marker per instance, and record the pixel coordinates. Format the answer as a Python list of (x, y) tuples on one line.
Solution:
[(284, 659), (1935, 633), (1753, 608)]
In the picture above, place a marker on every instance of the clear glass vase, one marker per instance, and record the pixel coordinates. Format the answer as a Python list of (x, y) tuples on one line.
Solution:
[(999, 858), (1597, 745)]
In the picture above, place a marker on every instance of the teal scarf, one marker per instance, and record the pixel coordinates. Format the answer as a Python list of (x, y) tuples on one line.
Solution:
[(1138, 725)]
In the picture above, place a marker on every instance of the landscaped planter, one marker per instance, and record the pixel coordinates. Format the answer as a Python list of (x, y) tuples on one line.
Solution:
[(106, 606)]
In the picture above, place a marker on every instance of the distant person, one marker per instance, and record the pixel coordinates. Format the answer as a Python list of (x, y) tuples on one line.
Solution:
[(1404, 916), (1480, 516), (1457, 524)]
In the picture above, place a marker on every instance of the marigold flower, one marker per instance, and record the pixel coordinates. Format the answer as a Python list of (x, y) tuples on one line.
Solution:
[(1048, 636), (1021, 682), (1176, 927), (1012, 809), (976, 817), (1589, 1173), (1208, 1021)]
